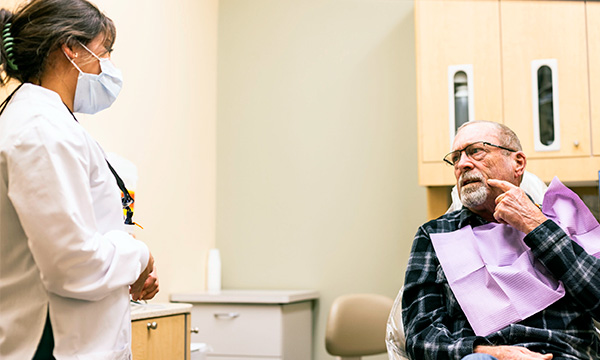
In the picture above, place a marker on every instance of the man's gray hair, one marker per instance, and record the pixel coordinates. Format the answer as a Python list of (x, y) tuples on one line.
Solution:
[(506, 136)]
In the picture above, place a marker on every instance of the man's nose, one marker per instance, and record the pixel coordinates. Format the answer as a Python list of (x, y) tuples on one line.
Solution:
[(463, 161)]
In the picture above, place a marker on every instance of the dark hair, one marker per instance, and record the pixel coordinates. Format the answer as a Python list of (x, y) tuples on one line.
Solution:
[(42, 26)]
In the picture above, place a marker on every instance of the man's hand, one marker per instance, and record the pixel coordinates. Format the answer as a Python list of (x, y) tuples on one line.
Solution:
[(513, 207), (137, 287), (511, 353)]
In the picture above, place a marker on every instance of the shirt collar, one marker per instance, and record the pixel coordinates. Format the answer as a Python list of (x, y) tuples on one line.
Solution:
[(467, 217)]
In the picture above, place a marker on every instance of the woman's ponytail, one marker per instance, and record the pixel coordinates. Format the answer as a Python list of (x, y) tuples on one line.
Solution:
[(7, 66), (39, 27)]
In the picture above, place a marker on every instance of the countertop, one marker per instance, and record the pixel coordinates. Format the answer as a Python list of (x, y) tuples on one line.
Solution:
[(247, 296), (152, 310)]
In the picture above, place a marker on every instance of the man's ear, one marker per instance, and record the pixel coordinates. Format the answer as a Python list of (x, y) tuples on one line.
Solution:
[(520, 161)]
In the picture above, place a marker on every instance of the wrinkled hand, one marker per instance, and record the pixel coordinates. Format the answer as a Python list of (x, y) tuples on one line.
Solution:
[(138, 286), (511, 353), (513, 207)]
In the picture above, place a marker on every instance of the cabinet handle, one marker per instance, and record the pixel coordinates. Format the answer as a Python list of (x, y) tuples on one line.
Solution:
[(195, 330), (226, 316), (152, 326)]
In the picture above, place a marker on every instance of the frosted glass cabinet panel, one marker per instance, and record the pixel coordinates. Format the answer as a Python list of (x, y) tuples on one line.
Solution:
[(553, 33), (545, 98), (455, 33), (461, 105)]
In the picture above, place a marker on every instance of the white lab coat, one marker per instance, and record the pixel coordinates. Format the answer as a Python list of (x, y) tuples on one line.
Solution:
[(63, 247)]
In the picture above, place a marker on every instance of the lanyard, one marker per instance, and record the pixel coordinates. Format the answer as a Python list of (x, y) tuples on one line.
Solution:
[(126, 199)]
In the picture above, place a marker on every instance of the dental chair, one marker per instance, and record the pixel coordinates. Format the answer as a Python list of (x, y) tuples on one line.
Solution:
[(395, 340), (394, 337), (356, 326)]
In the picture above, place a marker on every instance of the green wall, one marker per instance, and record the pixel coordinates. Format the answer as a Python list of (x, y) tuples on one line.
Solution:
[(317, 147)]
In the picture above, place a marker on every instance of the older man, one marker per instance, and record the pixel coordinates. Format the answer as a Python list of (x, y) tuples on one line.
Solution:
[(500, 279)]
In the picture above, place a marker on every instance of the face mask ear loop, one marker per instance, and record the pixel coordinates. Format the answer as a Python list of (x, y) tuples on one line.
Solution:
[(90, 51), (72, 62)]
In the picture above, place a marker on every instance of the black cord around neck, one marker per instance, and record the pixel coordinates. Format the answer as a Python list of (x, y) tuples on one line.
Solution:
[(7, 100), (127, 199)]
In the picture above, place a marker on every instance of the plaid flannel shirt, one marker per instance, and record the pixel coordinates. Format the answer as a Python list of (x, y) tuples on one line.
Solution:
[(436, 327)]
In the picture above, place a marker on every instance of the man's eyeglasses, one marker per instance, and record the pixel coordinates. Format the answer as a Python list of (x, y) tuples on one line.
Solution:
[(476, 151)]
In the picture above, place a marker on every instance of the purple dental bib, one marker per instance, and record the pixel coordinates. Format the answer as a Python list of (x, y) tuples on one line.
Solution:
[(492, 272)]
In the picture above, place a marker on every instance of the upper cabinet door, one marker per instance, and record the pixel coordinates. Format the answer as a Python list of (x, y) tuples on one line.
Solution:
[(545, 66), (593, 29), (458, 58)]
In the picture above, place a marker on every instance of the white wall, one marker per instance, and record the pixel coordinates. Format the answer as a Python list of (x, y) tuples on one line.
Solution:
[(165, 122), (317, 146)]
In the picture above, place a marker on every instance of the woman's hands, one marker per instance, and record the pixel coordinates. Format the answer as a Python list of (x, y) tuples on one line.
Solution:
[(146, 286)]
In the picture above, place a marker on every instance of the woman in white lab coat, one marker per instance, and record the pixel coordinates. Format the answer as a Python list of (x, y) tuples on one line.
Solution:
[(67, 267)]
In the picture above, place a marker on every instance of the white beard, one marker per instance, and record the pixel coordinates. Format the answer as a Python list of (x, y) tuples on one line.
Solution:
[(475, 194)]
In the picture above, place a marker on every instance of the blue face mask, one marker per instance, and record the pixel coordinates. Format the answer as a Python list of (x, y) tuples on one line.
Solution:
[(95, 93)]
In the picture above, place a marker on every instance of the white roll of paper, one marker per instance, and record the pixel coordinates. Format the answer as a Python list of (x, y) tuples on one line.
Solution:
[(213, 279)]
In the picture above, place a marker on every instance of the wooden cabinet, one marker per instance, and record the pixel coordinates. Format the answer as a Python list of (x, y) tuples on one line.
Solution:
[(161, 331), (503, 41), (253, 325), (160, 338), (593, 33), (539, 30), (456, 33), (453, 33)]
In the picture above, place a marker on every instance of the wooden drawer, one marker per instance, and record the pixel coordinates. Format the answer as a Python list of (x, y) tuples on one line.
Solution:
[(168, 340)]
